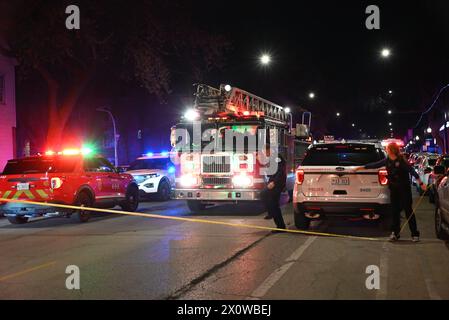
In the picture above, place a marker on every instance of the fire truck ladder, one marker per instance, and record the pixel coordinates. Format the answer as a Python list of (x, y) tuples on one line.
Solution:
[(234, 100)]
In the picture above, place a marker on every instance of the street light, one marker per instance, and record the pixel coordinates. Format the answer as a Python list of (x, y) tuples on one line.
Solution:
[(417, 138), (353, 125), (338, 114), (429, 130), (265, 59), (390, 124), (385, 53), (115, 133), (312, 95), (390, 92), (390, 112)]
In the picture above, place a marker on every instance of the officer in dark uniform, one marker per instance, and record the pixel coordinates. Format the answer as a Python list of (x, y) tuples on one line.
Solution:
[(399, 171), (272, 194)]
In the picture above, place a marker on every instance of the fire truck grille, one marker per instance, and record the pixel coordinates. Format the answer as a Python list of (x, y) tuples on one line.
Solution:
[(216, 164), (216, 181)]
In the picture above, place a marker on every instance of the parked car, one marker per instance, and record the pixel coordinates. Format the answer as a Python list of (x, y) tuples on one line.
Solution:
[(442, 205), (435, 179), (155, 175), (425, 167), (69, 178)]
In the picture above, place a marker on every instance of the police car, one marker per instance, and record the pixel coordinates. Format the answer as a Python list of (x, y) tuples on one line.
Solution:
[(154, 174), (327, 184), (70, 177)]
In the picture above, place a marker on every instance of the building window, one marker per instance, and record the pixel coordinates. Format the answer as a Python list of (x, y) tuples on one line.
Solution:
[(2, 89)]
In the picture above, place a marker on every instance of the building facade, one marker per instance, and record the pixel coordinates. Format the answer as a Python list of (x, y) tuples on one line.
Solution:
[(7, 109)]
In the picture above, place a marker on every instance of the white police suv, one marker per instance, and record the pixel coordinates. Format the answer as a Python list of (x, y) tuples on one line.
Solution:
[(154, 174), (327, 184)]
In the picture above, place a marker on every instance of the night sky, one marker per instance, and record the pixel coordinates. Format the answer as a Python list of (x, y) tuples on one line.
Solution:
[(324, 47)]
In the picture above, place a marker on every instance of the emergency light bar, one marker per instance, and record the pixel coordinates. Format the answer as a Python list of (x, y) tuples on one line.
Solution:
[(70, 152)]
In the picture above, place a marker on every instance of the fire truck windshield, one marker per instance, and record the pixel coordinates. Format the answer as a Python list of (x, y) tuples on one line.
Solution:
[(221, 136)]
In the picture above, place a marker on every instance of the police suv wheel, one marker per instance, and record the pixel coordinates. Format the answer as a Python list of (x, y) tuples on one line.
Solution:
[(439, 230), (18, 220), (163, 191), (301, 221), (83, 200), (132, 199)]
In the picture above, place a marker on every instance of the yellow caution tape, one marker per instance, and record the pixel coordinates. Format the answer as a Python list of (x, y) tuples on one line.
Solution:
[(158, 216)]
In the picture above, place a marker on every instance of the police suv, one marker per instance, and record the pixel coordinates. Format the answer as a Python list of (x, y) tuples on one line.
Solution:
[(327, 184), (155, 175), (70, 177)]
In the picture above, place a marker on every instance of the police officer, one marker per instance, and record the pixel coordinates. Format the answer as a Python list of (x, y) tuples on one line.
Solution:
[(399, 171), (272, 194)]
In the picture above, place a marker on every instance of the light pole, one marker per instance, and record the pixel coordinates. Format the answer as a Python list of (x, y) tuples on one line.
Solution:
[(115, 133), (289, 112)]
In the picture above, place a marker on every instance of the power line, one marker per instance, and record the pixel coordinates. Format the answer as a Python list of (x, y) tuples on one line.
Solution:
[(433, 104)]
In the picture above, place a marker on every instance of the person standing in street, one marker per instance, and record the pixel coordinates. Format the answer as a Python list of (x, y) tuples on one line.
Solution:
[(399, 171), (271, 196)]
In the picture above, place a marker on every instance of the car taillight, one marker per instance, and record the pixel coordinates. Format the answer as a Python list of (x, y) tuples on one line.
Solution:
[(55, 183), (299, 177), (383, 177)]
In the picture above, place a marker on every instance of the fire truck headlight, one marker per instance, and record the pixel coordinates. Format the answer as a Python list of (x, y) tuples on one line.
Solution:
[(188, 180), (242, 181), (191, 115)]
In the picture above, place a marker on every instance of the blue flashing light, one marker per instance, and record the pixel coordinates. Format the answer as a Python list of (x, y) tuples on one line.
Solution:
[(164, 153), (150, 154), (171, 169)]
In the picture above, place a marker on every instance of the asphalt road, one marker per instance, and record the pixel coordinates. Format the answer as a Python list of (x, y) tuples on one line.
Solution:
[(124, 257)]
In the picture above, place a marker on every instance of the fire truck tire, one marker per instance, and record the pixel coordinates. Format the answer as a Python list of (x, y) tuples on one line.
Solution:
[(132, 199), (18, 220), (195, 205), (301, 221), (83, 200), (163, 191)]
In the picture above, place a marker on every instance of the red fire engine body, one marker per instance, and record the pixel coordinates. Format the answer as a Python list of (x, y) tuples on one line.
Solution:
[(231, 172), (69, 178)]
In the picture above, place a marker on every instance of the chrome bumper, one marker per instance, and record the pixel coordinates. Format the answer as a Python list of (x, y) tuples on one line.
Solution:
[(217, 194)]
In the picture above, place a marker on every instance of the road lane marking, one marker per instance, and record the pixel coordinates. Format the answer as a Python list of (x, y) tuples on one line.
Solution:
[(273, 278), (20, 273), (381, 294)]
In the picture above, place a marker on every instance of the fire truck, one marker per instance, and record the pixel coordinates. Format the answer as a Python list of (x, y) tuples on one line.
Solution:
[(220, 146)]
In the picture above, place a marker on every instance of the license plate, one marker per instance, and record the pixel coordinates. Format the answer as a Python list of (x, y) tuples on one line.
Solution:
[(340, 181), (23, 186)]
